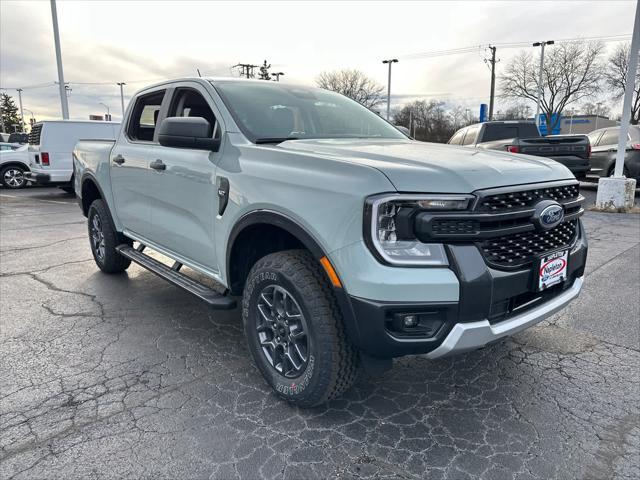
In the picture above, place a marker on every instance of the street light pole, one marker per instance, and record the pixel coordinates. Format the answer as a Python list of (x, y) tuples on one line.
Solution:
[(108, 111), (122, 84), (56, 38), (597, 113), (632, 68), (390, 61), (20, 102), (542, 45)]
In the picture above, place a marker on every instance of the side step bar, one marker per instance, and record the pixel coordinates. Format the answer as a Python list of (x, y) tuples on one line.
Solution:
[(214, 299)]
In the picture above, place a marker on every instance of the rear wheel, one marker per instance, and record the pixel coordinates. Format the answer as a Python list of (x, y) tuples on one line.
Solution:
[(104, 239), (294, 329), (13, 177)]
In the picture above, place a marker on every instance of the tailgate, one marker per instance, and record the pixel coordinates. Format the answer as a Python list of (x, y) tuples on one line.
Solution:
[(574, 146)]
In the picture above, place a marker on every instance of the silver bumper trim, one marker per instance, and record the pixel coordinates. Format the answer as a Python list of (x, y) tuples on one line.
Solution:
[(471, 336)]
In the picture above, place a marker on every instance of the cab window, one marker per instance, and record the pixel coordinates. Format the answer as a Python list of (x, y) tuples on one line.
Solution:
[(188, 102), (144, 116), (593, 137), (457, 138), (470, 137)]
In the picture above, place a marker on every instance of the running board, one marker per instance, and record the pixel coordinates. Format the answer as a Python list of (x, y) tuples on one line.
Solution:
[(171, 274)]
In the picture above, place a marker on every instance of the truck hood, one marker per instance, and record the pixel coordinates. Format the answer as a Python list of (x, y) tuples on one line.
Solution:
[(413, 166)]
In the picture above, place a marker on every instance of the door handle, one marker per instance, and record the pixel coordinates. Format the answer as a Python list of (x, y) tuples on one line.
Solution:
[(119, 159), (158, 165)]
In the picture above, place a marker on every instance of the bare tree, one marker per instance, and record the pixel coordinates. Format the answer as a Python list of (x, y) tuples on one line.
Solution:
[(615, 75), (354, 84), (430, 121), (591, 108), (571, 72)]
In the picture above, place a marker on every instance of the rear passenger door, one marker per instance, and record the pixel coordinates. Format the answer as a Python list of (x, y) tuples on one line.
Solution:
[(129, 163), (184, 198)]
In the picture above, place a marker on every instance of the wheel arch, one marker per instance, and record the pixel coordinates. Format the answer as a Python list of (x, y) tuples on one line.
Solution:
[(15, 163), (283, 233)]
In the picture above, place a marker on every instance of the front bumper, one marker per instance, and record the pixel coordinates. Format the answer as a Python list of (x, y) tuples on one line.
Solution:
[(491, 304), (464, 337)]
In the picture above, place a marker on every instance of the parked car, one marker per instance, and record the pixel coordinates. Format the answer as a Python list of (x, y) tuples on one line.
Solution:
[(51, 145), (14, 163), (6, 146), (349, 243), (573, 151), (604, 144)]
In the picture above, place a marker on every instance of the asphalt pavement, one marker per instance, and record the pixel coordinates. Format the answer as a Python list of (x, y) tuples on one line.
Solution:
[(126, 376)]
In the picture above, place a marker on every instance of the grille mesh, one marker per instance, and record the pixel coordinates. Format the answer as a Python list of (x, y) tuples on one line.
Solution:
[(527, 198), (455, 227), (520, 248)]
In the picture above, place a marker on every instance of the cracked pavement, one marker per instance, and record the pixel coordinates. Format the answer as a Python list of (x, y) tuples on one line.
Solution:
[(128, 376)]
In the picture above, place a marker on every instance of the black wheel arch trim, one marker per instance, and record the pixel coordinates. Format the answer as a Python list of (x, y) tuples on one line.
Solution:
[(87, 176), (270, 217)]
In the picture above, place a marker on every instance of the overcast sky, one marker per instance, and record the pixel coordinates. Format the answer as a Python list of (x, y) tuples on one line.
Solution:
[(141, 42)]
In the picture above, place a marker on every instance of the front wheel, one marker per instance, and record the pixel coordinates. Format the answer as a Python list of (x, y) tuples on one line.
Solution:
[(13, 177), (104, 239), (294, 329)]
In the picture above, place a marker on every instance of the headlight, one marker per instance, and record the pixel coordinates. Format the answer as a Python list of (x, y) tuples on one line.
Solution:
[(390, 227)]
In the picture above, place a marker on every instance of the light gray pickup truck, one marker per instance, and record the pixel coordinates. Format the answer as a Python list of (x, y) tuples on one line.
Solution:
[(349, 243)]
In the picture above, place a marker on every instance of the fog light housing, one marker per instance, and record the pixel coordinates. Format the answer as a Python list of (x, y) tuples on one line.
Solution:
[(416, 324), (410, 321)]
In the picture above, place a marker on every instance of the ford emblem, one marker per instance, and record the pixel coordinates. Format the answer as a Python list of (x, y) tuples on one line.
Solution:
[(548, 214)]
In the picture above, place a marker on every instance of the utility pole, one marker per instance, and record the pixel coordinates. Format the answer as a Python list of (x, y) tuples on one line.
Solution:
[(122, 84), (20, 102), (389, 62), (56, 38), (246, 69), (542, 45), (597, 113), (492, 61)]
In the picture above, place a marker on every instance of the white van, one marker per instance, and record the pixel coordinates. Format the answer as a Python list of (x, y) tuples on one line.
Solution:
[(51, 144)]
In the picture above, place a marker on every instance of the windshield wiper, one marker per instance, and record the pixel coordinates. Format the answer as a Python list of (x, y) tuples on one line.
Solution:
[(275, 139)]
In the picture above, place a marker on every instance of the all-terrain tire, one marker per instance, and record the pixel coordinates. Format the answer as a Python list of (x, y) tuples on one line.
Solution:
[(331, 362), (104, 239)]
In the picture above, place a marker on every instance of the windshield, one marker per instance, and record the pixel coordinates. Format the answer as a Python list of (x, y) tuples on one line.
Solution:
[(268, 112)]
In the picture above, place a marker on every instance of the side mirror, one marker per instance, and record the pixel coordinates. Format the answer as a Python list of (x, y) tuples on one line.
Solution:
[(187, 132), (404, 130)]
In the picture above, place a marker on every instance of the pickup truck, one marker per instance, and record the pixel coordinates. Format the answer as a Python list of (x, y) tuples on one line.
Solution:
[(573, 151), (346, 242)]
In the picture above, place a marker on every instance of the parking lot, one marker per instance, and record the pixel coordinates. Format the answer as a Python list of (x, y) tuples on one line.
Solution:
[(128, 376)]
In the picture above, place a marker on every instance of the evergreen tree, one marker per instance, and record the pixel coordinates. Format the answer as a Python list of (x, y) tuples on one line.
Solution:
[(9, 114)]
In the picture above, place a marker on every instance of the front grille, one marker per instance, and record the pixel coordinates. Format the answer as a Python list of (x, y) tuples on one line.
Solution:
[(509, 201), (34, 136), (454, 227), (520, 249)]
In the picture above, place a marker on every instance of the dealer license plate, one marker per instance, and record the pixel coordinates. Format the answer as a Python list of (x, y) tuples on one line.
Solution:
[(552, 269)]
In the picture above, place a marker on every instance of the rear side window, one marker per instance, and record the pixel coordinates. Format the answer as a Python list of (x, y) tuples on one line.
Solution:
[(144, 117), (457, 138), (609, 137), (470, 137), (504, 131), (593, 138)]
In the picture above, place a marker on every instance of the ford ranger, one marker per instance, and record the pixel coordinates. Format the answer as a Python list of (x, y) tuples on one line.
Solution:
[(348, 243)]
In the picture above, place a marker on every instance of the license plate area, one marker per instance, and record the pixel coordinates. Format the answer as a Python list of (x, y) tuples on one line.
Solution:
[(551, 269)]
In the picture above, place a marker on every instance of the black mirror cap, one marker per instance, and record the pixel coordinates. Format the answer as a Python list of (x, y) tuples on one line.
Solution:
[(187, 132)]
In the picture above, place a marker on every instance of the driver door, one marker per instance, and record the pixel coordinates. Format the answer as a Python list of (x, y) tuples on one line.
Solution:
[(184, 195)]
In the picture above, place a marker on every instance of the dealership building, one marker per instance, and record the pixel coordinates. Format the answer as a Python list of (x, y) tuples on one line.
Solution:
[(583, 124)]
